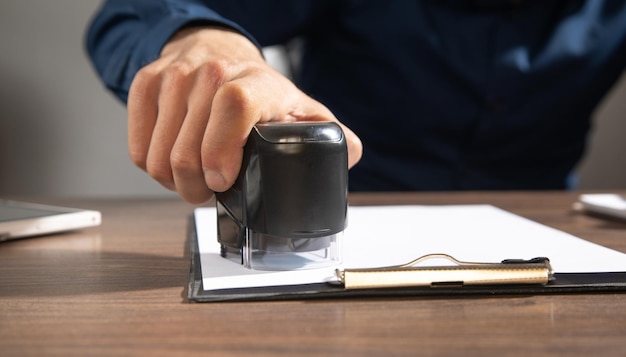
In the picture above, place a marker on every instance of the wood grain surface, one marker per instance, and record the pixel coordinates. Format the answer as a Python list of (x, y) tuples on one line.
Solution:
[(119, 290)]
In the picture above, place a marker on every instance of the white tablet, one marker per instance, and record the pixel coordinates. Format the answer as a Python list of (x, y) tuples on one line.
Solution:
[(21, 219)]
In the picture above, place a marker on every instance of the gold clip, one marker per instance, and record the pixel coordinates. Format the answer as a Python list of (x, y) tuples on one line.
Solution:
[(510, 271)]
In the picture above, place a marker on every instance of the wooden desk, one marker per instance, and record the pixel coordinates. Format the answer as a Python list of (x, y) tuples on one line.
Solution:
[(119, 290)]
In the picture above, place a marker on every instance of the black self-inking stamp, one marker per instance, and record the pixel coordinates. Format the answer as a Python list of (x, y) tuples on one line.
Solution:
[(288, 207)]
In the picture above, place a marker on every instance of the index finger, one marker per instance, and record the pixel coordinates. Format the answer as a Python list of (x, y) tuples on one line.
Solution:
[(255, 96)]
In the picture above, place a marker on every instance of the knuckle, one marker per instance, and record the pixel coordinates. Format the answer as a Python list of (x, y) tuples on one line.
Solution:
[(183, 161), (142, 84), (216, 71), (176, 74), (237, 97), (146, 74), (181, 72), (160, 171)]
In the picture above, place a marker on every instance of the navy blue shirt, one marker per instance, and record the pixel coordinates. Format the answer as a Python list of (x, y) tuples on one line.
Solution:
[(445, 95)]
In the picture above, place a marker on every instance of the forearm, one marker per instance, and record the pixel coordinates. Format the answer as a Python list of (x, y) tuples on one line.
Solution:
[(126, 35)]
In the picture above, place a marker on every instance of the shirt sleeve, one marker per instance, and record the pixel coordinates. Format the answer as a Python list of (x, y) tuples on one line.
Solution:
[(126, 35)]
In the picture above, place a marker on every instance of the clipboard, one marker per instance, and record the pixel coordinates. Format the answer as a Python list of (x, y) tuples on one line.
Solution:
[(601, 271)]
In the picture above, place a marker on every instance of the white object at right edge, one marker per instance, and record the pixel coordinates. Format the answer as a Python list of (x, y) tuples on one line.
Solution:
[(604, 203)]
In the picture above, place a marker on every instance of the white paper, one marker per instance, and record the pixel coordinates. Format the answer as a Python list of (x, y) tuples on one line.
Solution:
[(380, 236)]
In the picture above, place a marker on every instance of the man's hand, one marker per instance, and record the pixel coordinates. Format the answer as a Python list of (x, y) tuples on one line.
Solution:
[(191, 110)]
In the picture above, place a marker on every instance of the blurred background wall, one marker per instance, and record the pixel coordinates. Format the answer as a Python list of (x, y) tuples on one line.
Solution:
[(63, 134)]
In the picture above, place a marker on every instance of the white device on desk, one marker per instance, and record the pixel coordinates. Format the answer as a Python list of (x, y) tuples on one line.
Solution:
[(606, 204), (22, 219)]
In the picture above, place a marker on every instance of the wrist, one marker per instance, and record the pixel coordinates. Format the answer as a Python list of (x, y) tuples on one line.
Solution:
[(217, 39)]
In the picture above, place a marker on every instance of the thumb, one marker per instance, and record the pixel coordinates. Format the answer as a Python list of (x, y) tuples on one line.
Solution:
[(237, 107)]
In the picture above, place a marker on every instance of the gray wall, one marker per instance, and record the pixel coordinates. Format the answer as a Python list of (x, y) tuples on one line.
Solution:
[(62, 134), (604, 165)]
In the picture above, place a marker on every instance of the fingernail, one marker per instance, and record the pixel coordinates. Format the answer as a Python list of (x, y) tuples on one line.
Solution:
[(215, 180)]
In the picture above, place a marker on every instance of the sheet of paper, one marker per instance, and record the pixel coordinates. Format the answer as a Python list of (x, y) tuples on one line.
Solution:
[(392, 235)]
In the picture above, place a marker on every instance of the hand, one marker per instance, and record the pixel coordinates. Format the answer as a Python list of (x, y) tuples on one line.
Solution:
[(191, 110)]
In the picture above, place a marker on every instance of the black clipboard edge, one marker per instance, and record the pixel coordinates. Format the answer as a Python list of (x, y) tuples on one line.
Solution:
[(563, 283)]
